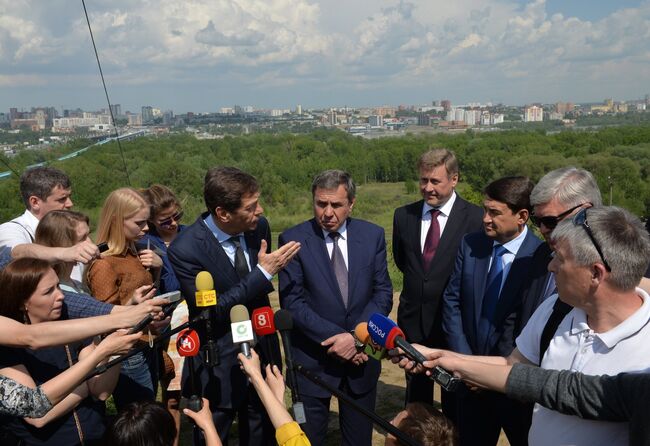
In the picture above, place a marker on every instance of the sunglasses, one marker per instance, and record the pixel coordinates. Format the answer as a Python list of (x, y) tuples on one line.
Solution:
[(551, 222), (580, 219), (167, 223)]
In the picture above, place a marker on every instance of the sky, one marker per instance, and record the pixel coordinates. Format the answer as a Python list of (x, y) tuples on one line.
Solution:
[(200, 55)]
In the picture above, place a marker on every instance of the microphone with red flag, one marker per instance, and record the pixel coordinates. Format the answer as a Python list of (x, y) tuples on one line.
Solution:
[(188, 345), (263, 323)]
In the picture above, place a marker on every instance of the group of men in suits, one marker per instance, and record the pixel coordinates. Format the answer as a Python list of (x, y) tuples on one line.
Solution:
[(466, 280)]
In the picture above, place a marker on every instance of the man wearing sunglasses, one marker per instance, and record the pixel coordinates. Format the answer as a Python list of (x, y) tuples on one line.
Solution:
[(600, 256), (558, 195)]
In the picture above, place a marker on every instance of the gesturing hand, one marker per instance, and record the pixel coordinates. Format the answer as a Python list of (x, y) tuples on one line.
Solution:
[(278, 259)]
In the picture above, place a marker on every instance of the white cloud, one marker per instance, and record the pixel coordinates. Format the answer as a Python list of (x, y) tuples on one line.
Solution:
[(500, 50)]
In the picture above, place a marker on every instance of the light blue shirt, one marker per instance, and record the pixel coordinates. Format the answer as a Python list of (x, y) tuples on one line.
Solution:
[(229, 247), (512, 247)]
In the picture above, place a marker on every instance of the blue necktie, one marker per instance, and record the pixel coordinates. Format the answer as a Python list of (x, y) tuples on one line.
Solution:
[(491, 296)]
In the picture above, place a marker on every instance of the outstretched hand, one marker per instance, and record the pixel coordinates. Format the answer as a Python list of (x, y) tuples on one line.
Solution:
[(276, 260)]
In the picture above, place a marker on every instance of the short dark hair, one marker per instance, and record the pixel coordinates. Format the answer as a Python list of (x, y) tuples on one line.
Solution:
[(142, 423), (41, 181), (428, 426), (225, 187), (513, 191), (332, 179)]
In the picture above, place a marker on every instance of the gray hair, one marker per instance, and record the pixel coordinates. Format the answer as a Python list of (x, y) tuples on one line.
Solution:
[(622, 238), (40, 182), (332, 179), (570, 186)]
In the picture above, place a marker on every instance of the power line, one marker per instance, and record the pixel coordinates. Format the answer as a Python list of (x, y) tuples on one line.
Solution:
[(110, 108)]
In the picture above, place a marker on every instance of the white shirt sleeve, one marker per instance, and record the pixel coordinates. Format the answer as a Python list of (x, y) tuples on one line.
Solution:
[(528, 341), (12, 234)]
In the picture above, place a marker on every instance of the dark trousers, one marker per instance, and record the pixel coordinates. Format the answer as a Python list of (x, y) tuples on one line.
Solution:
[(482, 415), (419, 389), (255, 428), (356, 429)]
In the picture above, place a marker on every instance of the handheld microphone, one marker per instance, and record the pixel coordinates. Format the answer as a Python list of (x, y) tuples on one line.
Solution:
[(386, 333), (241, 328), (371, 349), (173, 297), (284, 324), (188, 345), (206, 296), (263, 323)]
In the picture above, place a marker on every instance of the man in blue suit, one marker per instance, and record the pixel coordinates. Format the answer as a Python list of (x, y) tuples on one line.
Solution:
[(338, 279), (232, 242), (480, 306)]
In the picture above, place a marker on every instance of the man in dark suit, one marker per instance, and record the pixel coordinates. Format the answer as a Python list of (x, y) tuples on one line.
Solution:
[(426, 273), (232, 242), (480, 303), (338, 279), (558, 195)]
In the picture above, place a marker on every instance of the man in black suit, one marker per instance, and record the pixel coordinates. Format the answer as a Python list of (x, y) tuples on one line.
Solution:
[(232, 242), (425, 254), (559, 194)]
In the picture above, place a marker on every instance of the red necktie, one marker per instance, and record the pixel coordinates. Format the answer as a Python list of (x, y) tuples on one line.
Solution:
[(432, 240)]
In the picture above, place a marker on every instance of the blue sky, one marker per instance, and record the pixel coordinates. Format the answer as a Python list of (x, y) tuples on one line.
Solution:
[(200, 55)]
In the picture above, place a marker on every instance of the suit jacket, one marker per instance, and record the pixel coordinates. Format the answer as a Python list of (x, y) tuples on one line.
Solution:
[(419, 314), (463, 297), (309, 290), (534, 285), (196, 249)]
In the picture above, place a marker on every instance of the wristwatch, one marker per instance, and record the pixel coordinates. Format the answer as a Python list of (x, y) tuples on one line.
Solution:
[(357, 343)]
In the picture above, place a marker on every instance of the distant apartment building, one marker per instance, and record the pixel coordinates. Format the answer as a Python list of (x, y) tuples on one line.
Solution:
[(376, 120), (485, 118), (88, 120), (332, 117), (385, 111), (299, 110), (116, 110), (168, 117), (134, 119), (496, 118), (147, 114), (564, 107), (533, 113), (446, 104)]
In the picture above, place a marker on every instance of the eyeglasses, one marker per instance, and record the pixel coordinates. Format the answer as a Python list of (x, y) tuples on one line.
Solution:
[(551, 222), (167, 223), (580, 219)]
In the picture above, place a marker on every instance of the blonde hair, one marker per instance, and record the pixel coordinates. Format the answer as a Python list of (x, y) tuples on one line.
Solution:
[(120, 205)]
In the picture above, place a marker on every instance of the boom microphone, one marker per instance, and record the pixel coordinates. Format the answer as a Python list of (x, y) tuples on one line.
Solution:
[(284, 323), (386, 333), (242, 329), (206, 296), (371, 349), (263, 323)]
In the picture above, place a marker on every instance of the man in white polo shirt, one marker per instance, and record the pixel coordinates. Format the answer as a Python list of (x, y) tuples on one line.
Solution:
[(600, 257)]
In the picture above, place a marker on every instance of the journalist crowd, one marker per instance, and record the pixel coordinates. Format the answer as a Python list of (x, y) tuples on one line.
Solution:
[(525, 315)]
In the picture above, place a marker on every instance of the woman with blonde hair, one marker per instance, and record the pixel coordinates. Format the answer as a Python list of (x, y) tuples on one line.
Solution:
[(121, 270)]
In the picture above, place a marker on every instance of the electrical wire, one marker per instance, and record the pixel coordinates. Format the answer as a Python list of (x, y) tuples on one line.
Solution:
[(110, 108)]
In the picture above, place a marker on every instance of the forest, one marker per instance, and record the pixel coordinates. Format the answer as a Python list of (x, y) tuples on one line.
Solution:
[(285, 164)]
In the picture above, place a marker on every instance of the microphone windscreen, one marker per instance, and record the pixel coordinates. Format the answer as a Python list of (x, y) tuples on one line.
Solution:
[(361, 332), (383, 331), (188, 343), (239, 313), (263, 321), (283, 320), (204, 281)]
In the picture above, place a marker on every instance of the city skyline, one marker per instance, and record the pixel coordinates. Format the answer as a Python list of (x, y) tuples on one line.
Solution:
[(201, 55)]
